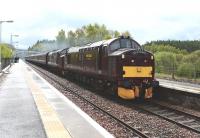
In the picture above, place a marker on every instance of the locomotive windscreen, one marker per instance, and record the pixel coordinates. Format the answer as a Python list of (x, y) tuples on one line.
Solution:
[(124, 43)]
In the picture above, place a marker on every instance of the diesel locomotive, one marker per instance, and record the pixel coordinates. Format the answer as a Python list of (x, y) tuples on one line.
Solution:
[(118, 65)]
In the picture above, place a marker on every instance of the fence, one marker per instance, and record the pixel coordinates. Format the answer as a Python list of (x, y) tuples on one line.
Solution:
[(185, 72)]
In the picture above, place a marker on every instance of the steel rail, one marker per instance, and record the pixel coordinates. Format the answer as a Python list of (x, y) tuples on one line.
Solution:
[(150, 107)]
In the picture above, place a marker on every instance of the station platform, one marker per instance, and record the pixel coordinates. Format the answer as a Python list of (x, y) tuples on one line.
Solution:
[(182, 86), (31, 107), (4, 70)]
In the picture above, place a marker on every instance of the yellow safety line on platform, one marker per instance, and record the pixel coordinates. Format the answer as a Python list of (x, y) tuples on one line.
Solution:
[(53, 126)]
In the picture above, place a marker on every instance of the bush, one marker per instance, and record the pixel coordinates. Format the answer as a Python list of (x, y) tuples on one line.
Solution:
[(165, 62), (186, 70), (164, 48)]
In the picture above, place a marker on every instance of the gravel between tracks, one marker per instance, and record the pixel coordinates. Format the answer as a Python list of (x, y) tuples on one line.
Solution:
[(156, 126)]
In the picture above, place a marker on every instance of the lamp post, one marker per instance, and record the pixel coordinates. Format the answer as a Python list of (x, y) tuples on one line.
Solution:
[(8, 21), (11, 38), (13, 44)]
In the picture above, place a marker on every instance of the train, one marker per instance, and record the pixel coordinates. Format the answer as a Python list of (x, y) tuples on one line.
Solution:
[(119, 66)]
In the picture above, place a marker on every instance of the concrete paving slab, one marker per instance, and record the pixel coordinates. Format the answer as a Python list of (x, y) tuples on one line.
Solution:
[(182, 86)]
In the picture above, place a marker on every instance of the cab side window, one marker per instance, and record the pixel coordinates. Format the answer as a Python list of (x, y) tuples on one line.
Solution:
[(115, 45)]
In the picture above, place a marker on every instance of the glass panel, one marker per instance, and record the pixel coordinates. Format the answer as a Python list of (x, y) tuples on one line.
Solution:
[(125, 43), (115, 45), (135, 45)]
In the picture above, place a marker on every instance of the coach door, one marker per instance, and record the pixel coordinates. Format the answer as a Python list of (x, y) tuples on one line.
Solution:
[(104, 60)]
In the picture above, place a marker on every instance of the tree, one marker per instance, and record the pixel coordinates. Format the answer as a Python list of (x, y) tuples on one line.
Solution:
[(86, 34), (116, 34), (190, 46), (126, 33), (80, 36), (96, 32), (164, 48), (186, 70), (6, 51), (61, 38), (71, 36), (166, 62)]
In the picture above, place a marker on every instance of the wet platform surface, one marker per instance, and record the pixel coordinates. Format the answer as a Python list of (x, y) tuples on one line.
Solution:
[(31, 107), (19, 116)]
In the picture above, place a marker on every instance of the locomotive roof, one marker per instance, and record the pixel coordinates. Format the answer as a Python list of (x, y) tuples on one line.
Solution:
[(73, 49), (103, 42), (120, 51), (55, 51), (40, 54), (95, 44)]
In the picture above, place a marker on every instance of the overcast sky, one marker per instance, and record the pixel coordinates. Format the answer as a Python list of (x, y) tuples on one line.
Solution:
[(146, 20)]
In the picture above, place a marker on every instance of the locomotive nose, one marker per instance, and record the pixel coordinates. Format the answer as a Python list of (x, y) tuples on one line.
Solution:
[(137, 65), (137, 58)]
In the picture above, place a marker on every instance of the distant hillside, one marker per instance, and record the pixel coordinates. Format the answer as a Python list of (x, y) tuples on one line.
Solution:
[(190, 46)]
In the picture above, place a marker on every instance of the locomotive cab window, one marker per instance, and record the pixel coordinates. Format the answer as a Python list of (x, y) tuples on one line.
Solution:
[(115, 45), (126, 43), (123, 43)]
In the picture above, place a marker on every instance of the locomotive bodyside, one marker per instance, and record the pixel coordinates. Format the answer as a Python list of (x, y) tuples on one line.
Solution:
[(53, 58), (118, 65)]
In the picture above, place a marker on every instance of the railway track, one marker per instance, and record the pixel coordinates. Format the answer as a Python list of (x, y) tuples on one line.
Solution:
[(136, 130), (181, 118)]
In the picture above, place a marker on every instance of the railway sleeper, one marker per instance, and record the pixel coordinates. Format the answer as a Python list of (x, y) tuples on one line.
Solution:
[(146, 132), (176, 117), (160, 111), (167, 114), (195, 126), (153, 108), (186, 121)]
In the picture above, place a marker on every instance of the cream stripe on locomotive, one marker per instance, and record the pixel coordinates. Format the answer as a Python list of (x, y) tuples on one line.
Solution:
[(137, 71)]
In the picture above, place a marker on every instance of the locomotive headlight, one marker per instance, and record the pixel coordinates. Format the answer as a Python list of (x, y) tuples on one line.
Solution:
[(123, 56)]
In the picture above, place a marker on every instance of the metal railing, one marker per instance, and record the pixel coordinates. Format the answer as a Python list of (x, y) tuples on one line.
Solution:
[(177, 73)]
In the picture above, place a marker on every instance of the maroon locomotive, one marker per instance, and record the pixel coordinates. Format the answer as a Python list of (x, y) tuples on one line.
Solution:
[(117, 65)]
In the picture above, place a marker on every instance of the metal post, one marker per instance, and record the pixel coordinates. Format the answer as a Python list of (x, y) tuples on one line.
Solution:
[(195, 75), (11, 39), (0, 30), (0, 45), (12, 43)]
